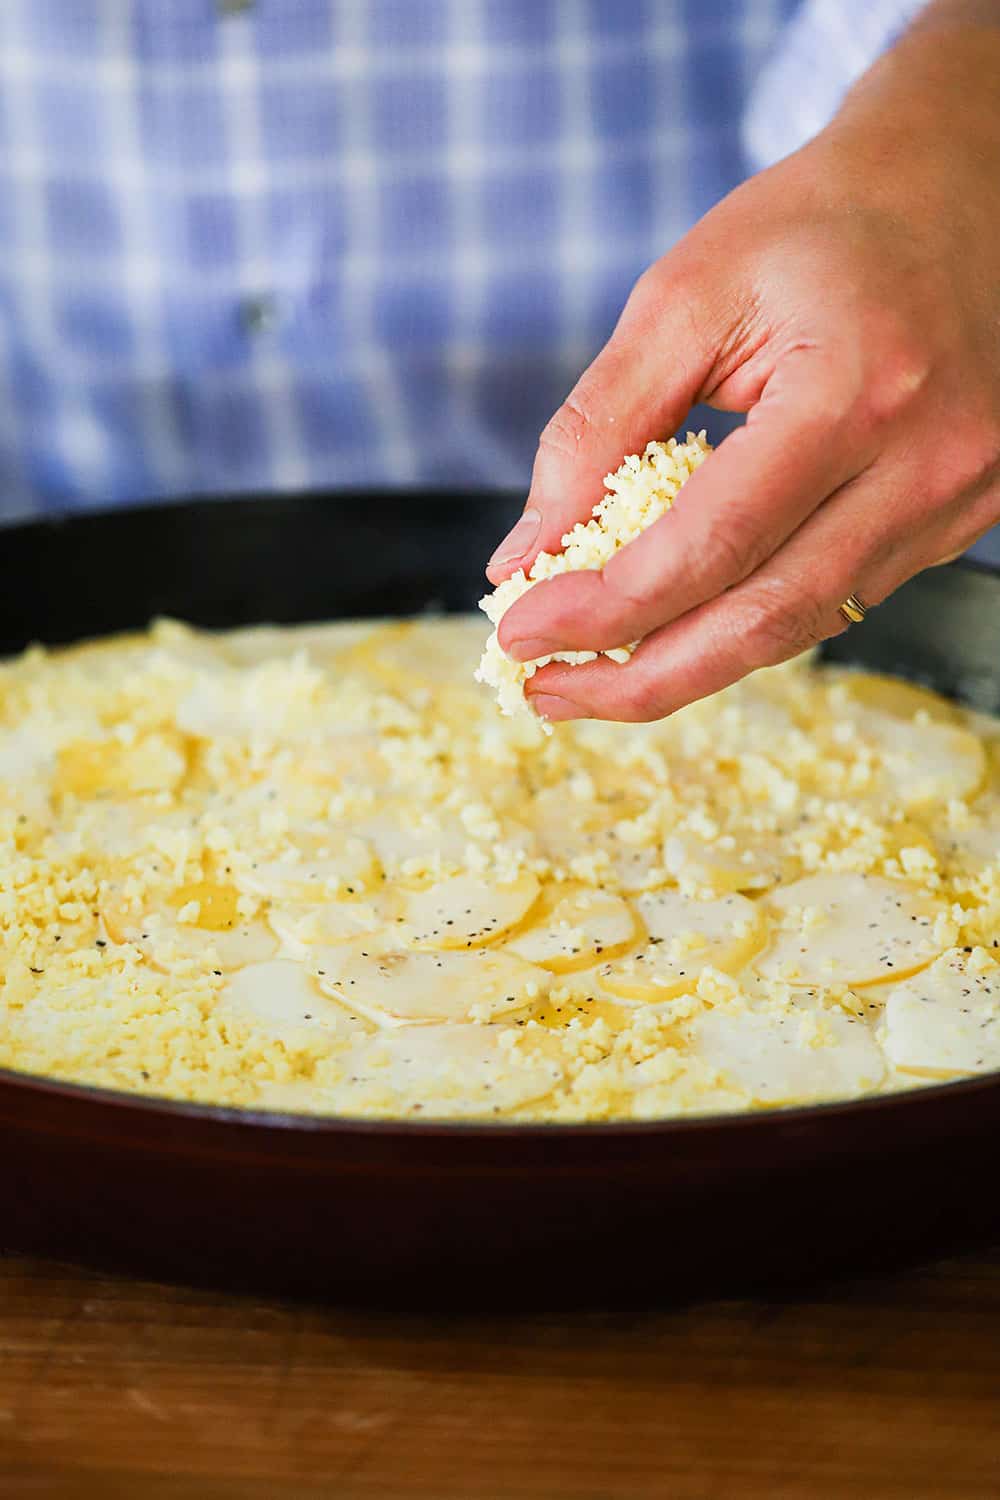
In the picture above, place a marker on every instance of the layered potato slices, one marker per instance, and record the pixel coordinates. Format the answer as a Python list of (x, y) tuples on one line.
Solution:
[(314, 870)]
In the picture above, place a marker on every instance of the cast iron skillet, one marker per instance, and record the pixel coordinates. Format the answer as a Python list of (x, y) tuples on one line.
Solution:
[(450, 1212)]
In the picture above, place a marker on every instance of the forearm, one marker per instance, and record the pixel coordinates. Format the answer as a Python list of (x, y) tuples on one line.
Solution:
[(950, 53), (928, 104), (957, 13)]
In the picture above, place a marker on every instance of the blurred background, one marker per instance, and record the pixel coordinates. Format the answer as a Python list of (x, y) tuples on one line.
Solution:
[(253, 245)]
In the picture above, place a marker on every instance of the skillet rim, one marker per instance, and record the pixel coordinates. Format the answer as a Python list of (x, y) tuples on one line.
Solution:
[(286, 1121), (161, 1106)]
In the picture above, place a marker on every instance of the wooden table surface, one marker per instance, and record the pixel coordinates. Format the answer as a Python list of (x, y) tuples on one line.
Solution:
[(871, 1388)]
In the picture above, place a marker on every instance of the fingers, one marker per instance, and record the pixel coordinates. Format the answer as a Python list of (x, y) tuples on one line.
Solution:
[(855, 545), (733, 513), (640, 386)]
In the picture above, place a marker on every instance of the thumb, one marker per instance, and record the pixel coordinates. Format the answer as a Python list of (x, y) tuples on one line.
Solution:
[(640, 386)]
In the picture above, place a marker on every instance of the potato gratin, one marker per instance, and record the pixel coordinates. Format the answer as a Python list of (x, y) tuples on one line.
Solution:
[(315, 870)]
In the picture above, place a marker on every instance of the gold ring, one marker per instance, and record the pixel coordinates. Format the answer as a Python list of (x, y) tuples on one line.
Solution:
[(853, 610)]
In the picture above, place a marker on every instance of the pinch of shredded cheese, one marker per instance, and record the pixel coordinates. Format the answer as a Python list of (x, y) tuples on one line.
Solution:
[(642, 490)]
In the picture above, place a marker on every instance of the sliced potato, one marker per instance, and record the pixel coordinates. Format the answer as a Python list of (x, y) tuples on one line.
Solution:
[(561, 842), (600, 857), (633, 868), (218, 904), (945, 1021), (579, 813), (574, 834), (731, 862), (975, 846), (427, 668), (584, 985), (24, 756), (789, 1058), (294, 1096), (397, 988), (117, 830), (275, 701), (25, 774), (217, 937), (685, 936), (167, 941), (727, 919), (318, 878), (439, 652), (466, 911), (440, 1072), (573, 927), (326, 644), (303, 925), (281, 1001), (219, 707), (402, 839), (893, 695), (924, 762), (849, 929), (94, 768), (348, 759), (908, 834), (558, 1014)]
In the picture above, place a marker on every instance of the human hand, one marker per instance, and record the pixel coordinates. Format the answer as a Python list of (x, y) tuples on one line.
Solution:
[(849, 300)]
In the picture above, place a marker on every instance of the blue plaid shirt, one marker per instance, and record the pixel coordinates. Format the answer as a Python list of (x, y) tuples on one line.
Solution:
[(320, 242)]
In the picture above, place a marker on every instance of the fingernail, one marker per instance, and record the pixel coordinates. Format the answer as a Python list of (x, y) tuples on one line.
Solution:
[(548, 706), (516, 543), (530, 650)]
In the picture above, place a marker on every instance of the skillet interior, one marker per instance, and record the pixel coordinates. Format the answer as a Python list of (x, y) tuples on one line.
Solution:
[(398, 1209)]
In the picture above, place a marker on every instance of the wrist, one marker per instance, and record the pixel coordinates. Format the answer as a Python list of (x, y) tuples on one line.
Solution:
[(922, 125), (940, 73), (957, 13)]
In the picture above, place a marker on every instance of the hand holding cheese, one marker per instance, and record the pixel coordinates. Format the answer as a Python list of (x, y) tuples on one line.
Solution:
[(845, 299), (639, 493)]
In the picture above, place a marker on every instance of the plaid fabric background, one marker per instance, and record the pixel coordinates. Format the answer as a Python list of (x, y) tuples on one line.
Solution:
[(311, 242)]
